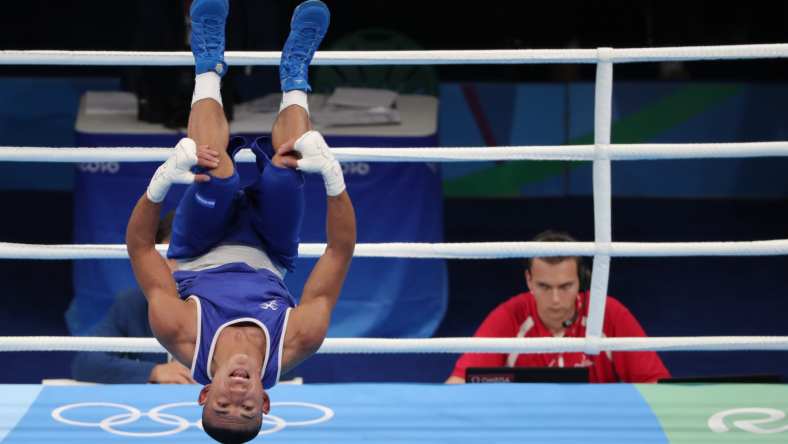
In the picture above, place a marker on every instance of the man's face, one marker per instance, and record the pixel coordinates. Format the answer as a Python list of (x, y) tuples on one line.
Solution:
[(235, 396), (555, 288)]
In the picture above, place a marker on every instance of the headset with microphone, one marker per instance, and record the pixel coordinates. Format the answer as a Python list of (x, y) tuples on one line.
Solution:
[(584, 277), (583, 272)]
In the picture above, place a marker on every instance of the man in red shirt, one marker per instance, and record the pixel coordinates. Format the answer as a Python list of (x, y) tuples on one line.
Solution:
[(557, 306)]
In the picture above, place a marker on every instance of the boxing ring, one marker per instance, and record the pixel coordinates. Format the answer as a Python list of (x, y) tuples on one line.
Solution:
[(430, 413), (397, 413)]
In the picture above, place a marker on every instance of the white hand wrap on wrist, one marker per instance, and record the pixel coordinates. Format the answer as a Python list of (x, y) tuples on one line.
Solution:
[(316, 157), (176, 169)]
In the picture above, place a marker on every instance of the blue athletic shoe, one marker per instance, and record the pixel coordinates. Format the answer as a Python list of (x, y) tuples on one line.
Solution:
[(207, 40), (307, 28)]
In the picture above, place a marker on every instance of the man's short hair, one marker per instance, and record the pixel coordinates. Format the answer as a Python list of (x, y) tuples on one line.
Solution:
[(228, 435), (554, 236)]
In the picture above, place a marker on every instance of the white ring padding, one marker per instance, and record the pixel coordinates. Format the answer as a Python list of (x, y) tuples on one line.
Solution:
[(477, 250), (442, 57), (430, 154), (432, 345)]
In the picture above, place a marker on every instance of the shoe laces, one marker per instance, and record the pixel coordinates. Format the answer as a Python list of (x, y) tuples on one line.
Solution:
[(209, 31), (302, 46)]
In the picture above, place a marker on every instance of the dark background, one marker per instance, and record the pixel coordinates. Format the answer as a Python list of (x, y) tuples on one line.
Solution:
[(262, 25)]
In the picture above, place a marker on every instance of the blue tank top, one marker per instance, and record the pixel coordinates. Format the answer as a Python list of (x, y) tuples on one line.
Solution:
[(230, 294)]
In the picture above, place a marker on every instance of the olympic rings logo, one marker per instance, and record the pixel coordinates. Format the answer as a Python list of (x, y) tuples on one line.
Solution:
[(132, 414)]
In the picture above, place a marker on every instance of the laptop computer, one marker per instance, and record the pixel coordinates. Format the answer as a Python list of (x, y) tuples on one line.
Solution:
[(766, 378), (526, 374)]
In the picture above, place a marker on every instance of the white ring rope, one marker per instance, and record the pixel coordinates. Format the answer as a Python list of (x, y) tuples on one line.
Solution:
[(471, 250), (443, 57), (601, 153), (602, 194), (447, 154), (432, 345)]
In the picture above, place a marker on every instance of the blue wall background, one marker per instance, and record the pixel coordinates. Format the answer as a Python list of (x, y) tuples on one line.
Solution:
[(655, 201), (643, 112)]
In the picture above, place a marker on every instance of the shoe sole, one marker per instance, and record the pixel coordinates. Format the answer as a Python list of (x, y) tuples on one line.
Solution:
[(307, 4)]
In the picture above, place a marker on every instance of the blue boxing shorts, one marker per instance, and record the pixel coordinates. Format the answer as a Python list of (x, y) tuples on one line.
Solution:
[(266, 214)]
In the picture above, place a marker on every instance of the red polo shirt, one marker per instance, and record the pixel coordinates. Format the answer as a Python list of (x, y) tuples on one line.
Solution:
[(518, 317)]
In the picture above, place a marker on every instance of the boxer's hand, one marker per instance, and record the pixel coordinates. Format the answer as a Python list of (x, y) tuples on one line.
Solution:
[(314, 156), (177, 169)]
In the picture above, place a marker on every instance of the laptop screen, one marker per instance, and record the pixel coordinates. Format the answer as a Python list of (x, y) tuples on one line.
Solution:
[(765, 378), (526, 374)]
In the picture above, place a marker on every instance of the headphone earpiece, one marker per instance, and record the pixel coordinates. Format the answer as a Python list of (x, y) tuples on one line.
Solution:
[(583, 275)]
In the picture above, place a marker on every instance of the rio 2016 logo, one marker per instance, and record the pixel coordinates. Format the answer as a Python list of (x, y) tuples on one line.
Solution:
[(355, 168), (758, 425), (99, 167)]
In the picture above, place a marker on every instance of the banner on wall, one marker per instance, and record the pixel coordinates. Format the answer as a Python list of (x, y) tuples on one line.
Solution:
[(394, 202), (643, 112)]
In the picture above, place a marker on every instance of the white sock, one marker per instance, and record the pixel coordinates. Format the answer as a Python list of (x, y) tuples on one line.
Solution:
[(294, 97), (207, 86)]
